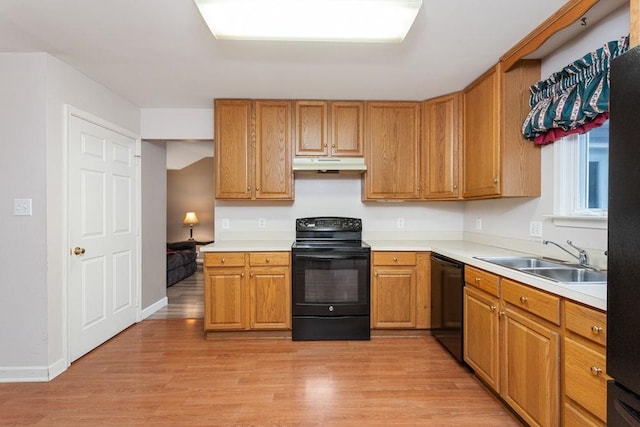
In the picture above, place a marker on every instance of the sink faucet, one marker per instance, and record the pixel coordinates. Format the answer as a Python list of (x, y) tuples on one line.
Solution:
[(582, 257)]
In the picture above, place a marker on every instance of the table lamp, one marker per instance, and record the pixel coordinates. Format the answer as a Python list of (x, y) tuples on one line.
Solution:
[(190, 219)]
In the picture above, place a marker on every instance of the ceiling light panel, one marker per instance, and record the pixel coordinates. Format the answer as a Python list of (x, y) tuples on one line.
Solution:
[(310, 20)]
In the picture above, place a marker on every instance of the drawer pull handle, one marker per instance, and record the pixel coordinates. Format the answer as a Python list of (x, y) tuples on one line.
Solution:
[(596, 371), (523, 299), (222, 260), (596, 329)]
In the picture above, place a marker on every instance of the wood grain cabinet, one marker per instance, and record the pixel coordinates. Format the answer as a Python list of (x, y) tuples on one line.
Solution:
[(392, 150), (247, 291), (512, 342), (441, 130), (531, 353), (253, 149), (329, 128), (400, 290), (481, 326), (584, 366), (498, 161)]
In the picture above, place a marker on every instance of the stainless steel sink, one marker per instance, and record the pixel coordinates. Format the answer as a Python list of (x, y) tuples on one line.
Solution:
[(569, 275), (557, 271), (520, 262)]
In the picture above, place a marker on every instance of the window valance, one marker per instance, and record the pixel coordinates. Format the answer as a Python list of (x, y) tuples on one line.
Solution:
[(573, 100)]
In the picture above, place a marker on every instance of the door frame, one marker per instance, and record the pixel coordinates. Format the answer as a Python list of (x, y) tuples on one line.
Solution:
[(71, 111)]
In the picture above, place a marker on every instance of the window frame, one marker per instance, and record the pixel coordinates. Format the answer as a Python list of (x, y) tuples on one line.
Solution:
[(567, 195)]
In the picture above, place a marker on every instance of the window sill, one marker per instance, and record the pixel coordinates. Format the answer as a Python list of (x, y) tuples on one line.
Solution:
[(594, 222)]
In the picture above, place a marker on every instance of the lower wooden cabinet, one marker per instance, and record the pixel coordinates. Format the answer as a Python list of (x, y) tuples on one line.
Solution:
[(400, 290), (531, 368), (584, 366), (247, 291)]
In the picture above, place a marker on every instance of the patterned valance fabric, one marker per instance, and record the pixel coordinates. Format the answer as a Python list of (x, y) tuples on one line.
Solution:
[(573, 100)]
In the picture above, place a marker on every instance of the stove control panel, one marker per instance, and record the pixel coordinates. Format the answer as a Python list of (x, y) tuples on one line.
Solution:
[(329, 224)]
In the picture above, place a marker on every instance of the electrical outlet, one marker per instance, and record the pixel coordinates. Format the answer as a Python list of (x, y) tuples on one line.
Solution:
[(478, 223), (400, 223), (225, 223), (22, 207), (535, 229), (262, 222)]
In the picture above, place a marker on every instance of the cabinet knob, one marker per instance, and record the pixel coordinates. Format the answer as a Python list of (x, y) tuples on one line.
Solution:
[(250, 274), (248, 188), (523, 299), (492, 307), (375, 274), (596, 329), (395, 259), (455, 187), (501, 313), (495, 180), (241, 274), (325, 145), (595, 371), (267, 260), (222, 260), (477, 280), (333, 145)]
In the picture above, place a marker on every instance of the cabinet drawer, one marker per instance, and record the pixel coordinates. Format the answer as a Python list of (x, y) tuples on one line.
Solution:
[(224, 259), (586, 322), (484, 280), (266, 259), (537, 302), (585, 377), (394, 258)]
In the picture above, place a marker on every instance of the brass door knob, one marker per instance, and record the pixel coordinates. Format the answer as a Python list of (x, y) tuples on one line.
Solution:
[(78, 250)]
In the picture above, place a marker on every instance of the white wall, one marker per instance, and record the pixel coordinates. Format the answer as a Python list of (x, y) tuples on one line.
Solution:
[(35, 89), (23, 260), (337, 195), (506, 221), (177, 123)]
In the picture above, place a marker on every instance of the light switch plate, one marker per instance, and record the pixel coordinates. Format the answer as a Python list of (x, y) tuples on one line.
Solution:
[(22, 207), (262, 223), (535, 229)]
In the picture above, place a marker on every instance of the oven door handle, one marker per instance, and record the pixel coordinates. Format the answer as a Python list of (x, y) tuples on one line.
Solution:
[(331, 256)]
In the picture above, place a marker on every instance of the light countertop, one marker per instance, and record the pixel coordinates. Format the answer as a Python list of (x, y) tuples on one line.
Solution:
[(593, 295)]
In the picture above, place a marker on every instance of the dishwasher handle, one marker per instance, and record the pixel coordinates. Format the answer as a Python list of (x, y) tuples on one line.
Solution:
[(444, 260)]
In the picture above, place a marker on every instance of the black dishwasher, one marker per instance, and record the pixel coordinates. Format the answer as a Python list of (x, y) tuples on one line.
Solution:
[(447, 283)]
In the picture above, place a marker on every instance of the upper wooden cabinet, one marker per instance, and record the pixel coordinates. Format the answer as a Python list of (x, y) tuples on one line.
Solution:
[(498, 160), (440, 147), (392, 150), (325, 128), (253, 149)]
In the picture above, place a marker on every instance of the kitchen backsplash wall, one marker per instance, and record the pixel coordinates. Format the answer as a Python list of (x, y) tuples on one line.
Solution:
[(338, 195)]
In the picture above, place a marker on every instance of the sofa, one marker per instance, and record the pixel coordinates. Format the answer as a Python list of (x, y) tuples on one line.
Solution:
[(181, 261)]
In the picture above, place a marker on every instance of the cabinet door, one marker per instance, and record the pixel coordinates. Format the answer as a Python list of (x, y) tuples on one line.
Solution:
[(270, 298), (347, 129), (392, 150), (224, 299), (530, 367), (311, 128), (274, 175), (481, 148), (394, 297), (234, 159), (481, 349), (440, 146)]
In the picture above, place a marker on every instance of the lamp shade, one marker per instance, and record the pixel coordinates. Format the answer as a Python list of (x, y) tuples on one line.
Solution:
[(190, 219)]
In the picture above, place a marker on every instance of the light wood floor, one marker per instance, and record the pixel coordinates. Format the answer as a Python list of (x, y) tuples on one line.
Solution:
[(185, 299), (163, 372)]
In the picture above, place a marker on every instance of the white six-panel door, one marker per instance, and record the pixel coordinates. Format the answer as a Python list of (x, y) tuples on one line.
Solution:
[(102, 227)]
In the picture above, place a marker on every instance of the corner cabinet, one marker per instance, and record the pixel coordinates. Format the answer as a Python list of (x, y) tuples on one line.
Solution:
[(441, 130), (392, 150), (498, 160), (253, 149), (247, 291)]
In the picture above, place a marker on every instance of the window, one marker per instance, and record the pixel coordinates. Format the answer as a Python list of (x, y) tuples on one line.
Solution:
[(581, 179)]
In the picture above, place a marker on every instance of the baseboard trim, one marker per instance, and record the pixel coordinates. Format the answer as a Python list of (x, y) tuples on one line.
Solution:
[(163, 302), (23, 374)]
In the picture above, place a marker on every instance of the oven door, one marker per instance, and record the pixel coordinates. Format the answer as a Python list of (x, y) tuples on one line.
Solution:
[(330, 283)]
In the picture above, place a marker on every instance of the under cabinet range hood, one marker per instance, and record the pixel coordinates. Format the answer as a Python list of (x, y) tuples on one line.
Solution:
[(329, 164)]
